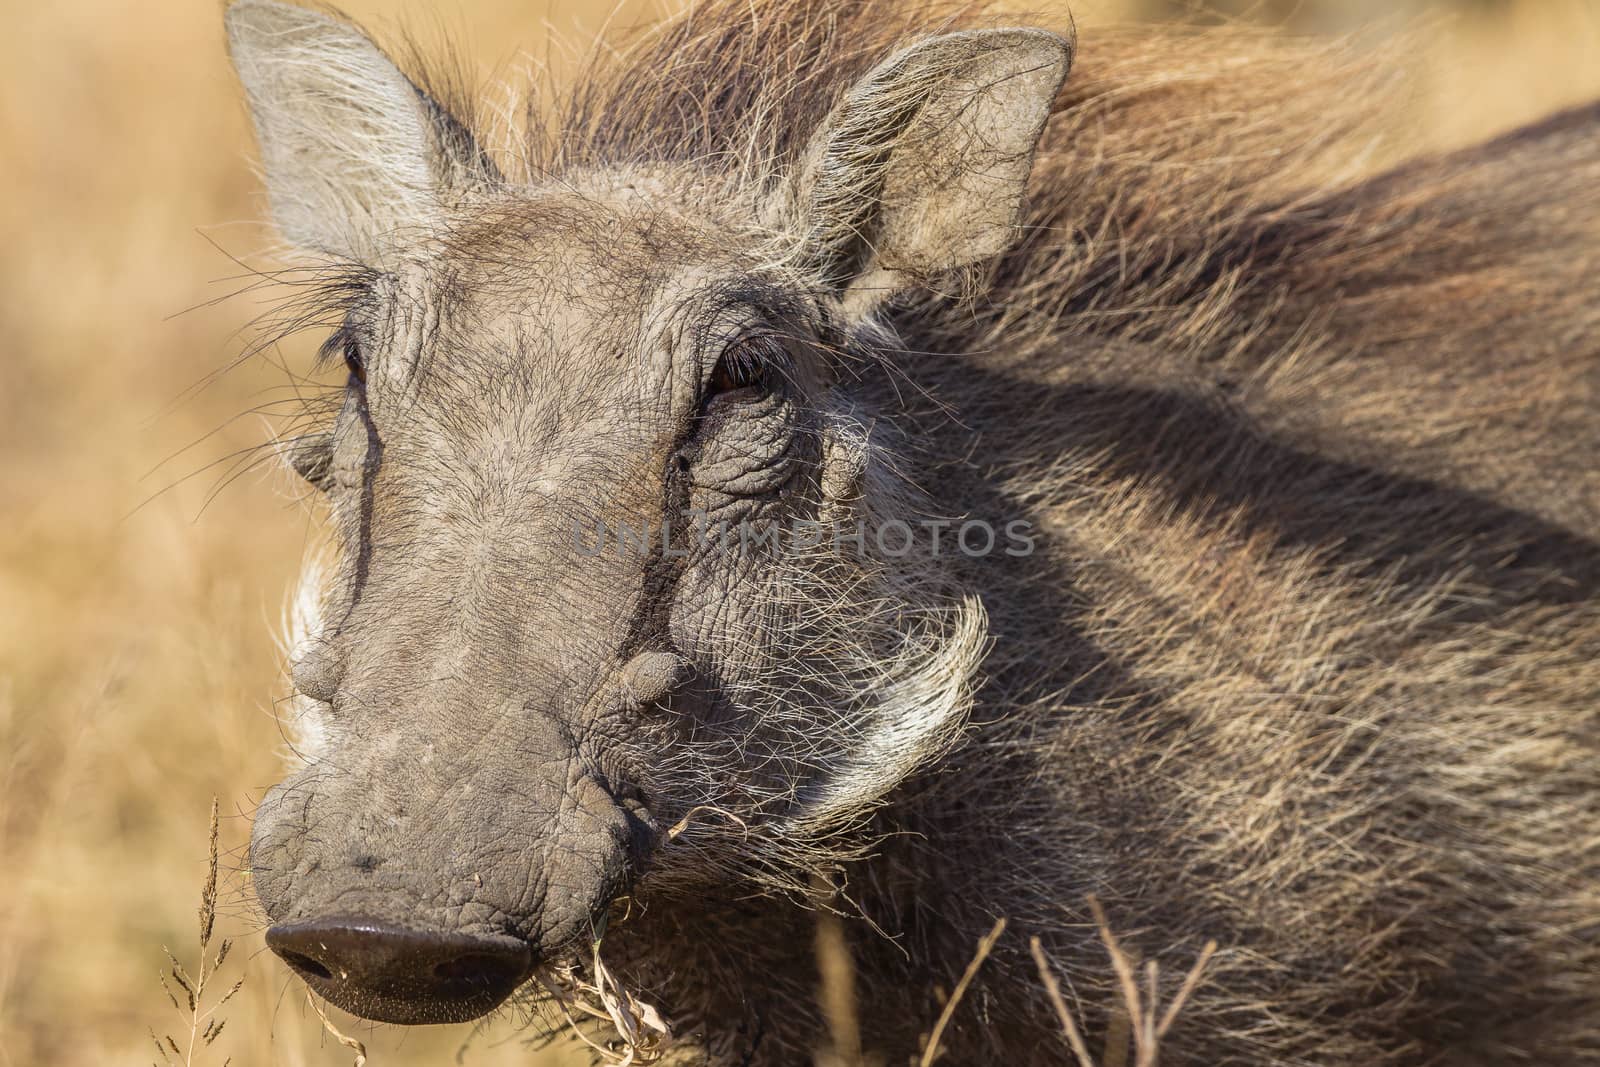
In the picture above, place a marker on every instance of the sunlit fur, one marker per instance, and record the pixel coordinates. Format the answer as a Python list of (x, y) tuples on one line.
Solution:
[(304, 720)]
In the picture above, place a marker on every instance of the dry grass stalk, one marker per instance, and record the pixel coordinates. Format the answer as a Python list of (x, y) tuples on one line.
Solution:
[(985, 946), (642, 1035), (205, 1024), (688, 819), (1069, 1026), (1136, 1015), (338, 1035), (838, 992)]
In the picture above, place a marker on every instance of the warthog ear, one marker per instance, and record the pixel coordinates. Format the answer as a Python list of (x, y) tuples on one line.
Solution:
[(921, 167), (353, 151)]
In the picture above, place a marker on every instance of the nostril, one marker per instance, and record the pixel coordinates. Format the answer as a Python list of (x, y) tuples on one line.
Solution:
[(304, 964), (392, 973)]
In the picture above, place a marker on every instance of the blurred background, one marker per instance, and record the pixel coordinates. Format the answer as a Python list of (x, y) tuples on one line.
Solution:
[(142, 576)]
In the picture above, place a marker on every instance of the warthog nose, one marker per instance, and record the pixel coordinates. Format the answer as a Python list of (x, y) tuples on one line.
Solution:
[(394, 974)]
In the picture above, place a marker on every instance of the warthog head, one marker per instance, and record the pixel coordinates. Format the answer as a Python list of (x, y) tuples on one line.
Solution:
[(556, 654)]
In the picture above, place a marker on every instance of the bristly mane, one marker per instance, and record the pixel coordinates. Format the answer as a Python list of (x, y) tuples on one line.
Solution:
[(1171, 152), (1180, 133)]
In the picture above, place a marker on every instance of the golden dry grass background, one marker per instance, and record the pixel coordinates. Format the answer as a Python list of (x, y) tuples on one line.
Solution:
[(137, 655)]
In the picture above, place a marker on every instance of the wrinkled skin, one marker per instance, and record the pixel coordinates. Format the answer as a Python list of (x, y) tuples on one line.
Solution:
[(503, 719), (490, 730)]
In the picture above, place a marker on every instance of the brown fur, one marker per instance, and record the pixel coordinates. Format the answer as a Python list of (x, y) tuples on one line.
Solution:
[(1309, 663), (1305, 662)]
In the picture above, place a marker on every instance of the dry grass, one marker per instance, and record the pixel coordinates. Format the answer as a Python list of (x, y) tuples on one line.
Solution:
[(204, 1018), (1139, 1018), (136, 657), (931, 1048)]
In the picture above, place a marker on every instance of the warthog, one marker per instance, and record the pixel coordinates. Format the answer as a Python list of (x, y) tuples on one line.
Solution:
[(831, 463)]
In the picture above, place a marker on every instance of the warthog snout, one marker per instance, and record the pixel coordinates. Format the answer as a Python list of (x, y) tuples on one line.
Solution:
[(397, 974), (408, 888)]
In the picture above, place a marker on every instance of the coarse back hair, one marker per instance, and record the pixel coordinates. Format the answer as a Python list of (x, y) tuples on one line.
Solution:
[(1306, 660), (1305, 663)]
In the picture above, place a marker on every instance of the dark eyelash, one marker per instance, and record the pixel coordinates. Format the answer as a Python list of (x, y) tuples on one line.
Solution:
[(345, 344), (355, 360), (747, 364), (739, 367)]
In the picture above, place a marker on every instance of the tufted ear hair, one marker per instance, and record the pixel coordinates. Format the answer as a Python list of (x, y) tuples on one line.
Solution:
[(921, 167), (353, 151)]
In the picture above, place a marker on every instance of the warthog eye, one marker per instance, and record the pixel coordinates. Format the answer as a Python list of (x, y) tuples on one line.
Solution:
[(742, 371), (355, 359), (345, 342)]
